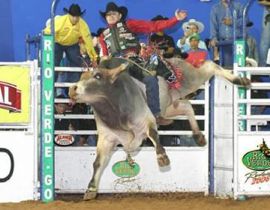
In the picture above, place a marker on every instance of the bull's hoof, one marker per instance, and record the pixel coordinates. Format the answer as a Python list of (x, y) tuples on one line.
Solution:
[(246, 82), (242, 81), (199, 139), (163, 160), (89, 195)]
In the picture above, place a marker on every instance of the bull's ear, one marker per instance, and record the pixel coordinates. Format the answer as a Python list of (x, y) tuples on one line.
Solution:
[(113, 74)]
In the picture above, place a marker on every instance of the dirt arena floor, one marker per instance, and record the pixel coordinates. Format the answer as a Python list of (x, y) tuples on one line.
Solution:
[(178, 201)]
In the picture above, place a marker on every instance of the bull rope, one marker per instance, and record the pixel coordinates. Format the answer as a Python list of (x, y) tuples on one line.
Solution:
[(133, 62)]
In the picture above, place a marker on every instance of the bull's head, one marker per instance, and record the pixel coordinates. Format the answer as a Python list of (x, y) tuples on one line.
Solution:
[(95, 84)]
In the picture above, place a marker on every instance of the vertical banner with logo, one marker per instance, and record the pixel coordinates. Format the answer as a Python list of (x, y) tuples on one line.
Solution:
[(47, 119), (240, 59), (14, 95)]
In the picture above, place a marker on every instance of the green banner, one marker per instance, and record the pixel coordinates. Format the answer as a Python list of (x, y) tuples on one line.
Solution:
[(47, 119), (240, 58)]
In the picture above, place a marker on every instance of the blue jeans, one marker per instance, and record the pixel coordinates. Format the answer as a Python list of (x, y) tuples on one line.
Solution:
[(226, 55), (152, 93), (265, 38), (74, 60), (72, 52)]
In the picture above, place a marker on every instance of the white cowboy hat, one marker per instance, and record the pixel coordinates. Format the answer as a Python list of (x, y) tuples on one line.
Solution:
[(264, 2), (193, 21)]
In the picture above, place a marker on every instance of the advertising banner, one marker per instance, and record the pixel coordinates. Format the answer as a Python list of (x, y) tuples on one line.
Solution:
[(18, 167), (240, 54), (14, 94), (254, 164), (47, 119)]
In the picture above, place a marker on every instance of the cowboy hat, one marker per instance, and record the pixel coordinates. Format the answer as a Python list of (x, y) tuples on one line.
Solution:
[(74, 10), (264, 2), (249, 24), (159, 17), (99, 31), (111, 6), (200, 25)]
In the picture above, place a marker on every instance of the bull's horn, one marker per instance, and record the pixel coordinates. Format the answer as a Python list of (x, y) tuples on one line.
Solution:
[(86, 64), (113, 73)]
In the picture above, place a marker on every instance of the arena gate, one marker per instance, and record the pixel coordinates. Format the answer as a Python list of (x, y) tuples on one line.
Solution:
[(240, 167)]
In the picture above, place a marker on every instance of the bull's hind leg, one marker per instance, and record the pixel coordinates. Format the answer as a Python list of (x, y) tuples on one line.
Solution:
[(227, 74), (104, 149), (184, 107), (162, 158)]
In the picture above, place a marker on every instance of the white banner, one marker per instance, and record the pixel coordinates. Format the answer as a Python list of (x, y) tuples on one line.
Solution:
[(18, 171), (253, 164), (188, 171)]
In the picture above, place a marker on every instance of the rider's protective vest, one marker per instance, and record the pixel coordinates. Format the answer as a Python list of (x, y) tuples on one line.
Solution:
[(119, 39)]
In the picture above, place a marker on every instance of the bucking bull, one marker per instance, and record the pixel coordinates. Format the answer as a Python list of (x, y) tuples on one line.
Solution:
[(121, 111)]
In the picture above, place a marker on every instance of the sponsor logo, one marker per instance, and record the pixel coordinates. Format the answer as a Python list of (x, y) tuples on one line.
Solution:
[(259, 162), (256, 160), (64, 140), (10, 97), (124, 169), (258, 177)]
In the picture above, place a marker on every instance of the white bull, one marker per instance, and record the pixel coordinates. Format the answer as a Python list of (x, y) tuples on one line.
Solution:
[(122, 115)]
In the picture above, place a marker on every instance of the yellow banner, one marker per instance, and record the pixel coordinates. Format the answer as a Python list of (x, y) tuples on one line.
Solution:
[(14, 95)]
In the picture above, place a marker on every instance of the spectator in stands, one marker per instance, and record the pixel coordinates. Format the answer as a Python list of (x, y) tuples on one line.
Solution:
[(83, 124), (75, 124), (221, 28), (191, 27), (196, 57), (69, 30), (97, 42), (164, 42), (265, 35), (61, 124), (252, 50)]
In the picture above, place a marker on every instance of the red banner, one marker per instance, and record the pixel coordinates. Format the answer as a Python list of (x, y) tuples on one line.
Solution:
[(10, 97)]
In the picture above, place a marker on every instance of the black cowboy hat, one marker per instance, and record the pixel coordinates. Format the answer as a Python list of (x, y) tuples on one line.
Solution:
[(74, 10), (249, 24), (159, 17), (99, 31), (111, 6)]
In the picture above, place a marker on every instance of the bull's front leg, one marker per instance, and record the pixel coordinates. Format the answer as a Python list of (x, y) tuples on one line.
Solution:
[(104, 149)]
